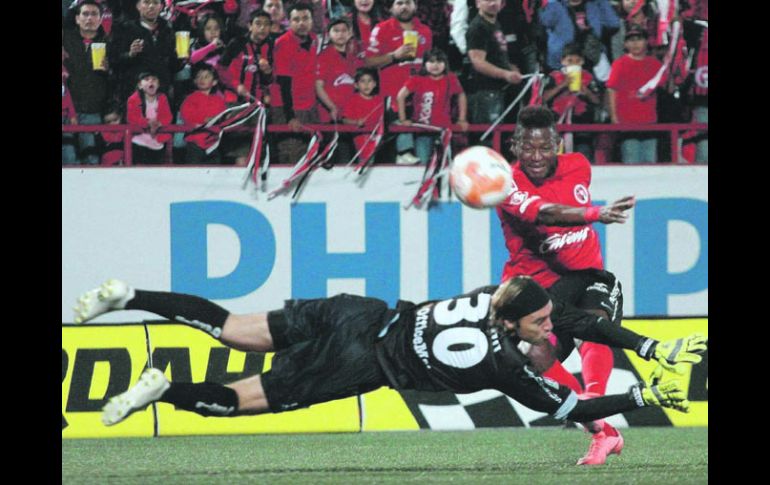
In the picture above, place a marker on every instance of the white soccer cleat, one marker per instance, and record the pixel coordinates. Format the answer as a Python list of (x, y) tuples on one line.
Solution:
[(112, 295), (151, 386)]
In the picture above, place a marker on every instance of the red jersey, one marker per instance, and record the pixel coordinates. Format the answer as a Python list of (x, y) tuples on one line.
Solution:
[(543, 252), (387, 36), (433, 98), (244, 68), (560, 102), (358, 107), (298, 63), (366, 32), (337, 72), (196, 109), (626, 77), (135, 114)]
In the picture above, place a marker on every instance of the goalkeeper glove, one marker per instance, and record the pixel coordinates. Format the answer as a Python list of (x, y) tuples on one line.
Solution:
[(680, 351), (667, 394)]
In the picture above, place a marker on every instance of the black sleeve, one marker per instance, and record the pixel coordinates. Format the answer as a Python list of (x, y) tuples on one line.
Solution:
[(527, 386), (288, 104), (231, 50), (546, 395), (476, 37), (601, 407), (119, 46), (572, 322)]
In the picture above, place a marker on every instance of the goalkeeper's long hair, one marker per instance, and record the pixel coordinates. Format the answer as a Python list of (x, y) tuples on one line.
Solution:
[(506, 292)]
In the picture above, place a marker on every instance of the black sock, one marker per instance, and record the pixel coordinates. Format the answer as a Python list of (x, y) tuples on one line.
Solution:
[(205, 398), (188, 309)]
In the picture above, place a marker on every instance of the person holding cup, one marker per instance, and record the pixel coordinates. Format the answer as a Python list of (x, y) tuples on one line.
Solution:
[(144, 44), (88, 80), (572, 88), (397, 46)]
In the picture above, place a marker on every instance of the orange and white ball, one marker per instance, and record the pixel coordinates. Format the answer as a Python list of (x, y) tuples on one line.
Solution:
[(480, 177)]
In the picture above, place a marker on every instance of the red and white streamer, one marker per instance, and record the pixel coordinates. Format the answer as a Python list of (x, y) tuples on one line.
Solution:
[(660, 77), (437, 168)]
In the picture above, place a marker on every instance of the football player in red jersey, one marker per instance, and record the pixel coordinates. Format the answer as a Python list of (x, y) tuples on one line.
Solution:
[(547, 227)]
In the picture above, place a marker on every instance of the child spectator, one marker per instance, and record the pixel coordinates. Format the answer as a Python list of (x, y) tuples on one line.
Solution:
[(209, 45), (113, 140), (249, 60), (561, 94), (584, 22), (365, 108), (337, 64), (198, 108), (629, 73), (433, 90), (149, 109)]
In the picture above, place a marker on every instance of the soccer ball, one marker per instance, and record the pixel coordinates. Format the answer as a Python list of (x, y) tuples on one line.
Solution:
[(480, 177)]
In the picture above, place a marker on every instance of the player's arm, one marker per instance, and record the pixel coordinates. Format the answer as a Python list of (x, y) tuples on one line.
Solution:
[(545, 395), (576, 323), (403, 93), (563, 215)]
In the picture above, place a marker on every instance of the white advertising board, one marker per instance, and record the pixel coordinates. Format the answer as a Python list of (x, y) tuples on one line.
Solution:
[(195, 230)]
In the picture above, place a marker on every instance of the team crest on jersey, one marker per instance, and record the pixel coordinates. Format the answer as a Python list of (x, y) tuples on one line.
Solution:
[(581, 193), (251, 68), (518, 197), (344, 78)]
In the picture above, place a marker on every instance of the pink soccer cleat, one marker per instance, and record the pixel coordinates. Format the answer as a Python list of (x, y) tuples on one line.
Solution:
[(601, 447)]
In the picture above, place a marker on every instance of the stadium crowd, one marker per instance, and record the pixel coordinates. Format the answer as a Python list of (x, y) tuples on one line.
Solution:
[(155, 63)]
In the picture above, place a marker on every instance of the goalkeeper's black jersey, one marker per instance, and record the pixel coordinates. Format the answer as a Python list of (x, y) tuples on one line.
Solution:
[(449, 345)]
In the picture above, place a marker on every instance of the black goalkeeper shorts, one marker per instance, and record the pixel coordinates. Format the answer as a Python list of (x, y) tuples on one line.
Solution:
[(325, 350), (589, 289)]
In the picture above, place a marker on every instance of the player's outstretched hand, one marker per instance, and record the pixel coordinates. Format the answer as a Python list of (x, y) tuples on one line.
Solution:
[(616, 212), (667, 394), (685, 350)]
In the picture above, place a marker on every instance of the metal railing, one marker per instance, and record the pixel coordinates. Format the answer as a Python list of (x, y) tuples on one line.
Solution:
[(501, 133)]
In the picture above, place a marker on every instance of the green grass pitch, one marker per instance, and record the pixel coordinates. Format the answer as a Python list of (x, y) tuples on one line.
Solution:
[(494, 456)]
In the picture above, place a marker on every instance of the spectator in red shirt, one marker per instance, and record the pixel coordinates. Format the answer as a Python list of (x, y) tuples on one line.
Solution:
[(560, 97), (365, 14), (629, 73), (432, 93), (149, 109), (337, 65), (295, 71), (389, 51), (365, 108), (198, 108)]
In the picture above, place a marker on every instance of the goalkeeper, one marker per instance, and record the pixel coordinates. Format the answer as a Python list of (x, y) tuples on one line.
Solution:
[(332, 348)]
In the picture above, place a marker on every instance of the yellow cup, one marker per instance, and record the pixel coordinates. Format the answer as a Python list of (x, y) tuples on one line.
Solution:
[(410, 38), (183, 44), (98, 51), (575, 74)]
